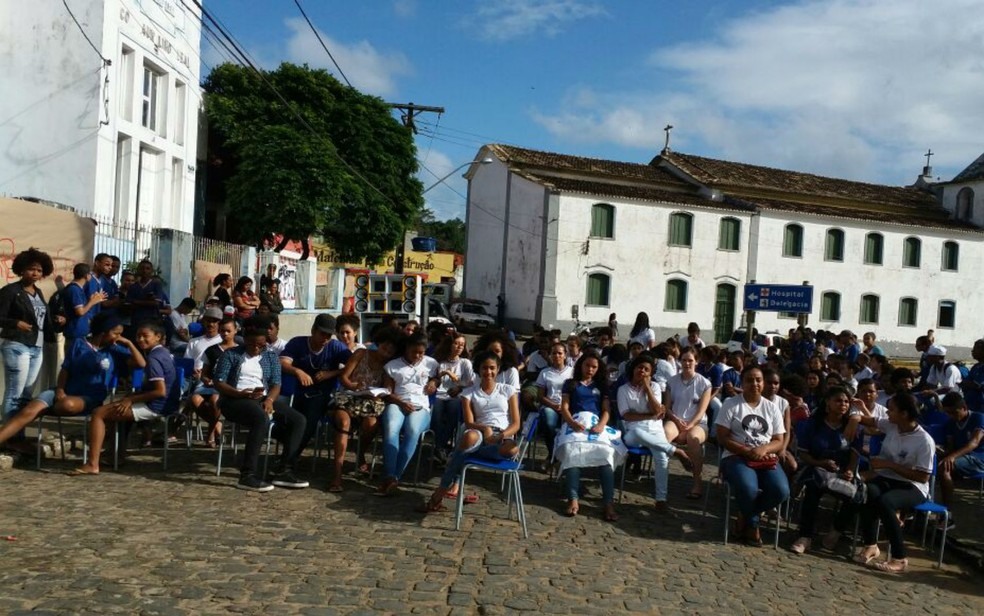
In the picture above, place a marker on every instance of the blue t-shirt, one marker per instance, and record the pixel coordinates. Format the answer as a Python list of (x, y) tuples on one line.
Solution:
[(90, 370), (138, 292), (712, 373), (963, 433), (331, 357), (75, 326), (92, 286), (160, 367), (584, 397), (731, 376), (112, 291), (822, 441), (974, 397)]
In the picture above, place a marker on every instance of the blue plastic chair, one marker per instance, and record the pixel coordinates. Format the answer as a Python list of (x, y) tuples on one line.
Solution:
[(510, 469), (288, 387), (171, 410), (727, 503), (931, 507)]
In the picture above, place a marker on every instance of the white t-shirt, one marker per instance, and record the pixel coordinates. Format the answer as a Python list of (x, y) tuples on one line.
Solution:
[(912, 449), (944, 377), (490, 409), (277, 346), (685, 396), (461, 368), (178, 320), (250, 374), (665, 370), (864, 373), (631, 399), (409, 380), (536, 362), (508, 377), (196, 348), (750, 426), (551, 380), (646, 337)]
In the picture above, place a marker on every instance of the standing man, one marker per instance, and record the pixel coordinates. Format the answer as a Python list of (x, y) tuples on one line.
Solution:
[(146, 295), (316, 361), (80, 306)]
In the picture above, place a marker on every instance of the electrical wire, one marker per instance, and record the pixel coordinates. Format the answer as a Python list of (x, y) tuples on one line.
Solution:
[(325, 47), (106, 61)]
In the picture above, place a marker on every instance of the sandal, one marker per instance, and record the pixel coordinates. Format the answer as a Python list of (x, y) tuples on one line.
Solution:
[(336, 488), (866, 555), (363, 468), (572, 508), (470, 499), (81, 471), (432, 506), (610, 515), (388, 488), (892, 565), (688, 464)]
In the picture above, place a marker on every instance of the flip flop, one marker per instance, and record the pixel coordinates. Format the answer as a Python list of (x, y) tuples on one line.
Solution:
[(430, 507), (470, 499), (695, 495), (79, 472), (335, 488)]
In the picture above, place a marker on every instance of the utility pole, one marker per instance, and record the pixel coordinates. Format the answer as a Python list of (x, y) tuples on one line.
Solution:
[(408, 111)]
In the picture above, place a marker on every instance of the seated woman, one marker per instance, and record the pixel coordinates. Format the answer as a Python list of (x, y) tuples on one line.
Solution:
[(355, 403), (244, 299), (347, 331), (642, 414), (411, 378), (248, 381), (584, 409), (85, 375), (686, 399), (204, 400), (505, 349), (750, 428), (898, 479), (826, 447), (455, 372), (490, 413), (550, 382), (148, 403)]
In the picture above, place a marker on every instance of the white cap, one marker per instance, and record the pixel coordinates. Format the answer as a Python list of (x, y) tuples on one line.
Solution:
[(936, 351)]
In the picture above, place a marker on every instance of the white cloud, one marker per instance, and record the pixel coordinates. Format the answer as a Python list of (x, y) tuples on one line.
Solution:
[(851, 88), (442, 199), (405, 8), (369, 69), (501, 20)]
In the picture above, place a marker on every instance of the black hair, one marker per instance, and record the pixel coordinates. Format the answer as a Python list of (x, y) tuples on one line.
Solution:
[(254, 331), (617, 354), (387, 335), (29, 257), (81, 270), (906, 403), (413, 340), (443, 350), (242, 282), (751, 367), (641, 358), (155, 326), (115, 259), (509, 352), (257, 322), (641, 324), (187, 302), (898, 374), (483, 357), (795, 385), (600, 379), (220, 279), (866, 382), (350, 319), (954, 399)]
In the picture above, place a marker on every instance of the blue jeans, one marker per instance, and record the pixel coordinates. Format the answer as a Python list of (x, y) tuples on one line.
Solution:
[(397, 453), (607, 476), (549, 422), (445, 417), (22, 364), (457, 460), (745, 485), (661, 449)]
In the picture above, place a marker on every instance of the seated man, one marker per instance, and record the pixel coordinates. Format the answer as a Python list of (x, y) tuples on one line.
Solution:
[(248, 381), (964, 445), (148, 403)]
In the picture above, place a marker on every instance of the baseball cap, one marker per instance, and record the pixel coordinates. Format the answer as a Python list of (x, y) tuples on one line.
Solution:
[(212, 313), (212, 300), (325, 323), (936, 351), (229, 310)]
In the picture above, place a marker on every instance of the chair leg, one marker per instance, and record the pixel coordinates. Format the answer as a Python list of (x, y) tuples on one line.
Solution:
[(37, 453), (167, 437), (727, 511), (521, 508), (116, 446), (317, 447), (266, 458), (372, 458), (218, 465), (621, 486), (460, 503), (85, 440), (61, 438), (946, 523)]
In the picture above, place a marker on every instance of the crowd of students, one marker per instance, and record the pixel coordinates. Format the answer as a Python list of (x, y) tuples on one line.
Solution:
[(808, 415)]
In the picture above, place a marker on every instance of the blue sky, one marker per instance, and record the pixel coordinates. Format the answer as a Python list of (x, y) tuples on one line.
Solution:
[(847, 88)]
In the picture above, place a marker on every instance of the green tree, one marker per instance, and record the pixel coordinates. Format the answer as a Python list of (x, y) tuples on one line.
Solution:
[(274, 174), (450, 234)]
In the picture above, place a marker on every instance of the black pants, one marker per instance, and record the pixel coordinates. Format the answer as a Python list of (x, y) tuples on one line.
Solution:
[(288, 429), (811, 506), (885, 497), (313, 409)]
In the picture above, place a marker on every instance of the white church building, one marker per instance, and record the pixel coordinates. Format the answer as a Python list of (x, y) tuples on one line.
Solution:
[(679, 237), (100, 107)]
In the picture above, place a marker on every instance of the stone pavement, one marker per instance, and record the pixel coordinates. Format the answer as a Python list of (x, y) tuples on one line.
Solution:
[(140, 541)]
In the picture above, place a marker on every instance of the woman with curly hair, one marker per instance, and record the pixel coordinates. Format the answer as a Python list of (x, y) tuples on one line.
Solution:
[(505, 349), (25, 325)]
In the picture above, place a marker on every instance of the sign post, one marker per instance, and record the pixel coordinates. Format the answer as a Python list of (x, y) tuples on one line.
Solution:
[(775, 298)]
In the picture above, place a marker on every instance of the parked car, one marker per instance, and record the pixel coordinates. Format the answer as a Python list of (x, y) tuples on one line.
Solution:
[(762, 341), (437, 312), (469, 314)]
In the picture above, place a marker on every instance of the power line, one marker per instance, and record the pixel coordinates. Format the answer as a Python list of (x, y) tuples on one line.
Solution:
[(325, 47), (106, 61)]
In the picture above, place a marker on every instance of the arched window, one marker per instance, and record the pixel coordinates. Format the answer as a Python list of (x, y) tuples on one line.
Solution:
[(908, 311), (951, 256), (599, 288), (869, 309), (833, 249), (911, 252), (676, 296), (602, 220), (947, 316), (874, 247), (830, 306), (729, 235), (965, 204), (681, 229), (792, 241)]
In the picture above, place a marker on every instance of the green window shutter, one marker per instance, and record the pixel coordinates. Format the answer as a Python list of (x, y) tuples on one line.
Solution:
[(947, 317), (830, 307), (873, 249), (792, 243), (951, 256), (908, 310), (602, 220), (681, 232), (729, 235), (676, 295), (834, 245), (869, 309), (598, 290), (911, 252)]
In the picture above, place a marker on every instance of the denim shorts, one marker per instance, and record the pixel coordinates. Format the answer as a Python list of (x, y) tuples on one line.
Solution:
[(968, 465), (48, 397)]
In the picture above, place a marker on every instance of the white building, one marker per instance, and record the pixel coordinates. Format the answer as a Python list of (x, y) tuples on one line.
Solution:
[(117, 139), (678, 237)]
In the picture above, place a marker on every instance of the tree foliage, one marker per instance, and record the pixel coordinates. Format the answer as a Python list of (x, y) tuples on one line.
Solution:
[(450, 234), (276, 175)]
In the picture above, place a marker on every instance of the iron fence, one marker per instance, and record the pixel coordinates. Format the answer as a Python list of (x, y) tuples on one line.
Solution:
[(125, 239)]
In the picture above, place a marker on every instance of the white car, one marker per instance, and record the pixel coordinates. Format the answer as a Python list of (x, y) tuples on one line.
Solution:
[(467, 314)]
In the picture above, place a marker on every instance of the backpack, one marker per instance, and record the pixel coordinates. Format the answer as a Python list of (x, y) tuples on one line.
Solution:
[(56, 308), (962, 367)]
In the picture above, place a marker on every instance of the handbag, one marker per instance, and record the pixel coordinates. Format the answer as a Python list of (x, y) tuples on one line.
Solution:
[(359, 406), (854, 490), (765, 464)]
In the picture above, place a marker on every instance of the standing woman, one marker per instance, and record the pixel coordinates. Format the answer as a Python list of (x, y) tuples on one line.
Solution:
[(490, 418), (244, 299), (642, 414), (25, 325), (613, 325), (750, 428), (223, 286), (898, 479), (587, 393), (641, 332), (687, 397)]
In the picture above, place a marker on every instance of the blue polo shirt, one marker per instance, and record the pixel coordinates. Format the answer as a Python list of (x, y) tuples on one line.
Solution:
[(963, 433), (822, 441), (160, 367), (75, 326), (975, 397), (90, 370), (584, 397), (140, 292), (331, 357)]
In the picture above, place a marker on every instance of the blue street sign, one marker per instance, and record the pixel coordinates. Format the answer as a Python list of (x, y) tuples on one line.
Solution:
[(779, 298)]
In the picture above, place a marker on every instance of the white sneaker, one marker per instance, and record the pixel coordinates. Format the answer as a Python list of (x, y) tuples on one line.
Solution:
[(801, 545)]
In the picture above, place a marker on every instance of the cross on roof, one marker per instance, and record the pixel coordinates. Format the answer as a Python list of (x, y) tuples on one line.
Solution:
[(929, 154), (666, 145)]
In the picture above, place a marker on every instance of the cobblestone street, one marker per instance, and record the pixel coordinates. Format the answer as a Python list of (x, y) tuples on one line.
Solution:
[(140, 541)]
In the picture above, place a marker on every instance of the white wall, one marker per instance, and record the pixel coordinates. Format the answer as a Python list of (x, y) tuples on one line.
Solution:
[(524, 248), (486, 211), (64, 112)]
